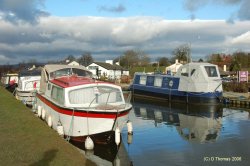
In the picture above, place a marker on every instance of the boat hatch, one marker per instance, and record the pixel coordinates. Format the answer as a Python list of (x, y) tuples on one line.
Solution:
[(72, 81)]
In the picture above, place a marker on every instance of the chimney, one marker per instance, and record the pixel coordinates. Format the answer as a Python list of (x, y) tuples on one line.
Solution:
[(225, 67)]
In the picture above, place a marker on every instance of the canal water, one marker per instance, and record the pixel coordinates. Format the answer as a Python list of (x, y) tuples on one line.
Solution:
[(180, 135)]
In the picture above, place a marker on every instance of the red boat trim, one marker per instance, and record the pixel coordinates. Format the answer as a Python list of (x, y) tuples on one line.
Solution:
[(81, 113)]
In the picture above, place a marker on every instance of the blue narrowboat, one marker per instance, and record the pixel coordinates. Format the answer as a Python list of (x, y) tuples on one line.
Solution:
[(193, 83)]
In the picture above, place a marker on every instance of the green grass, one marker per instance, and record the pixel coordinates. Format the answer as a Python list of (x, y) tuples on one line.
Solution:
[(27, 140)]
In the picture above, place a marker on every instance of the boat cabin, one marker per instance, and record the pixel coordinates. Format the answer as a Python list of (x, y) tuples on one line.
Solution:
[(9, 79), (199, 77), (28, 80), (73, 86)]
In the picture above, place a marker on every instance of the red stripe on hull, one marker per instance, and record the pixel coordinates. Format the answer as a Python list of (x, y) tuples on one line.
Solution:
[(81, 113)]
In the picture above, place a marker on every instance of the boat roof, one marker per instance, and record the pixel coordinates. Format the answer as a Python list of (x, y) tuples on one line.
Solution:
[(199, 64), (54, 67), (70, 81)]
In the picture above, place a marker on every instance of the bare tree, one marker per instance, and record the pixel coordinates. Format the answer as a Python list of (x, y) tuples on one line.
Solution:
[(163, 61), (133, 58), (70, 58), (182, 53), (85, 59)]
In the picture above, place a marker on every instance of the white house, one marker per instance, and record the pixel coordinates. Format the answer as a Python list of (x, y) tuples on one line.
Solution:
[(72, 63), (107, 69), (172, 69)]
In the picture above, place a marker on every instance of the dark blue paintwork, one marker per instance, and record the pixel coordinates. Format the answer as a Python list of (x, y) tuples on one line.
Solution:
[(169, 91)]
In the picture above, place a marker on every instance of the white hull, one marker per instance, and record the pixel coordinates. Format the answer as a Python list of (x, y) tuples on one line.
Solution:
[(80, 125)]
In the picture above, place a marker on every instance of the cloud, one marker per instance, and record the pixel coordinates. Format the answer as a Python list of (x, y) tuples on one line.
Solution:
[(243, 12), (115, 9), (242, 39), (3, 58), (21, 10), (193, 5), (53, 38)]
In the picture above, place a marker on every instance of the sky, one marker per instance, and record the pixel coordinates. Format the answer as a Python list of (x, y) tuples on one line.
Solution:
[(49, 30)]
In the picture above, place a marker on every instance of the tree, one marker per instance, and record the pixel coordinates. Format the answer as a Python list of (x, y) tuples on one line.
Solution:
[(70, 58), (235, 65), (200, 60), (143, 59), (242, 58), (163, 61), (86, 59), (182, 53), (129, 59)]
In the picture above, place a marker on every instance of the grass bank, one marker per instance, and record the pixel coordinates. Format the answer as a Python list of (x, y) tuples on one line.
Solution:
[(27, 140)]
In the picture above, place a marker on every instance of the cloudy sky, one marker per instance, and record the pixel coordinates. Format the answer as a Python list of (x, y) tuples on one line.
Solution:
[(44, 30)]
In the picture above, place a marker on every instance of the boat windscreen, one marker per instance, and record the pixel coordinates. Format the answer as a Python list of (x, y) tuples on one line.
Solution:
[(95, 95), (68, 72), (82, 73)]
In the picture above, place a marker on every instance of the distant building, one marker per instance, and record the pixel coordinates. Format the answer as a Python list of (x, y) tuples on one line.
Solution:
[(172, 69), (107, 69), (72, 63)]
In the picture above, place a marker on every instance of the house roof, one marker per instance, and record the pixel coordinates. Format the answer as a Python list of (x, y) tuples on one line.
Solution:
[(109, 66)]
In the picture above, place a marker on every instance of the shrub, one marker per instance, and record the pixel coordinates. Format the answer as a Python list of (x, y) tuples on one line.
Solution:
[(241, 87)]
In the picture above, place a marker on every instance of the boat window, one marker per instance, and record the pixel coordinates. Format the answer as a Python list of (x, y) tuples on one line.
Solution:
[(158, 81), (59, 73), (184, 72), (49, 86), (95, 95), (57, 95), (82, 73), (192, 72), (143, 80), (211, 71)]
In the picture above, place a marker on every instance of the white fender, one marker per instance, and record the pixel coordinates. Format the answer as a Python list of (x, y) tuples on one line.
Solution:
[(43, 113), (60, 130), (89, 144), (117, 136), (39, 111), (49, 121), (130, 127)]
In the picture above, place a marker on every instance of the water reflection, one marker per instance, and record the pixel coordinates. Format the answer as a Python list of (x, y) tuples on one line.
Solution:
[(106, 154), (178, 134), (201, 124)]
